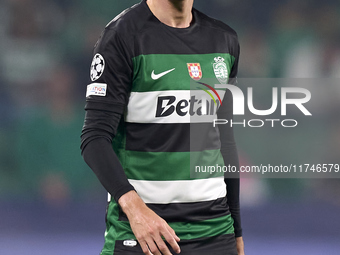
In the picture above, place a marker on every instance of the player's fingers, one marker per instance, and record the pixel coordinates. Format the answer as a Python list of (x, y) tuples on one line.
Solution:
[(173, 233), (171, 240), (153, 247), (145, 247), (162, 246)]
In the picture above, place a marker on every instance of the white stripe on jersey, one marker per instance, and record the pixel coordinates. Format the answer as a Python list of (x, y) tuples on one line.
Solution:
[(142, 106), (164, 192)]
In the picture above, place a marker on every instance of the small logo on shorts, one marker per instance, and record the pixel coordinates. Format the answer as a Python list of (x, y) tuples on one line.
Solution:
[(130, 243)]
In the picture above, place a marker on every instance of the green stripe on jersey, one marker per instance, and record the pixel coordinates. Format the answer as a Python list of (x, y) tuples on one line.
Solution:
[(121, 230), (145, 65), (171, 166)]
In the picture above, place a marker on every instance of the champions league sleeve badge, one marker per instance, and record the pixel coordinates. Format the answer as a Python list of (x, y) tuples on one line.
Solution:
[(97, 67), (221, 70)]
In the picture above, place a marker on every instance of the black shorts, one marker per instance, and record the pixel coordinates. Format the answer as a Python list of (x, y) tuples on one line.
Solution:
[(218, 245)]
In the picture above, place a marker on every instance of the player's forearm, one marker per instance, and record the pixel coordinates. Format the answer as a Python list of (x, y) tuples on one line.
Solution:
[(103, 161), (240, 245), (233, 198), (232, 181), (100, 126), (230, 157)]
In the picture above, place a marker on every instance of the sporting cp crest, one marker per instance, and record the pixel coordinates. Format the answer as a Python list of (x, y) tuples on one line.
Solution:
[(195, 71), (221, 70)]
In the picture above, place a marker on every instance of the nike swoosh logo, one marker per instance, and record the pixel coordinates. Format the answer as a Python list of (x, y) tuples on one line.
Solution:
[(157, 76)]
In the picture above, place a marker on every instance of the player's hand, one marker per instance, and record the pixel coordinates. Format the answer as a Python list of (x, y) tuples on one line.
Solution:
[(147, 226), (240, 245)]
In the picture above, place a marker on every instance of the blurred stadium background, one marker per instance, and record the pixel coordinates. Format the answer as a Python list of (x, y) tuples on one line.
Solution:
[(51, 203)]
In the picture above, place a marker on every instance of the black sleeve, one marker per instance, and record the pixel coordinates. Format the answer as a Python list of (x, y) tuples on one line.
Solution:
[(111, 73), (106, 99), (96, 146), (229, 152)]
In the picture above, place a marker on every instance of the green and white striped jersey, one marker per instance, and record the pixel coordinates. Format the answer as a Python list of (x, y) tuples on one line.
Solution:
[(168, 83)]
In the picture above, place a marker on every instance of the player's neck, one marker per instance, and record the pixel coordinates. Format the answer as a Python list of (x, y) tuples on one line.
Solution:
[(174, 13)]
